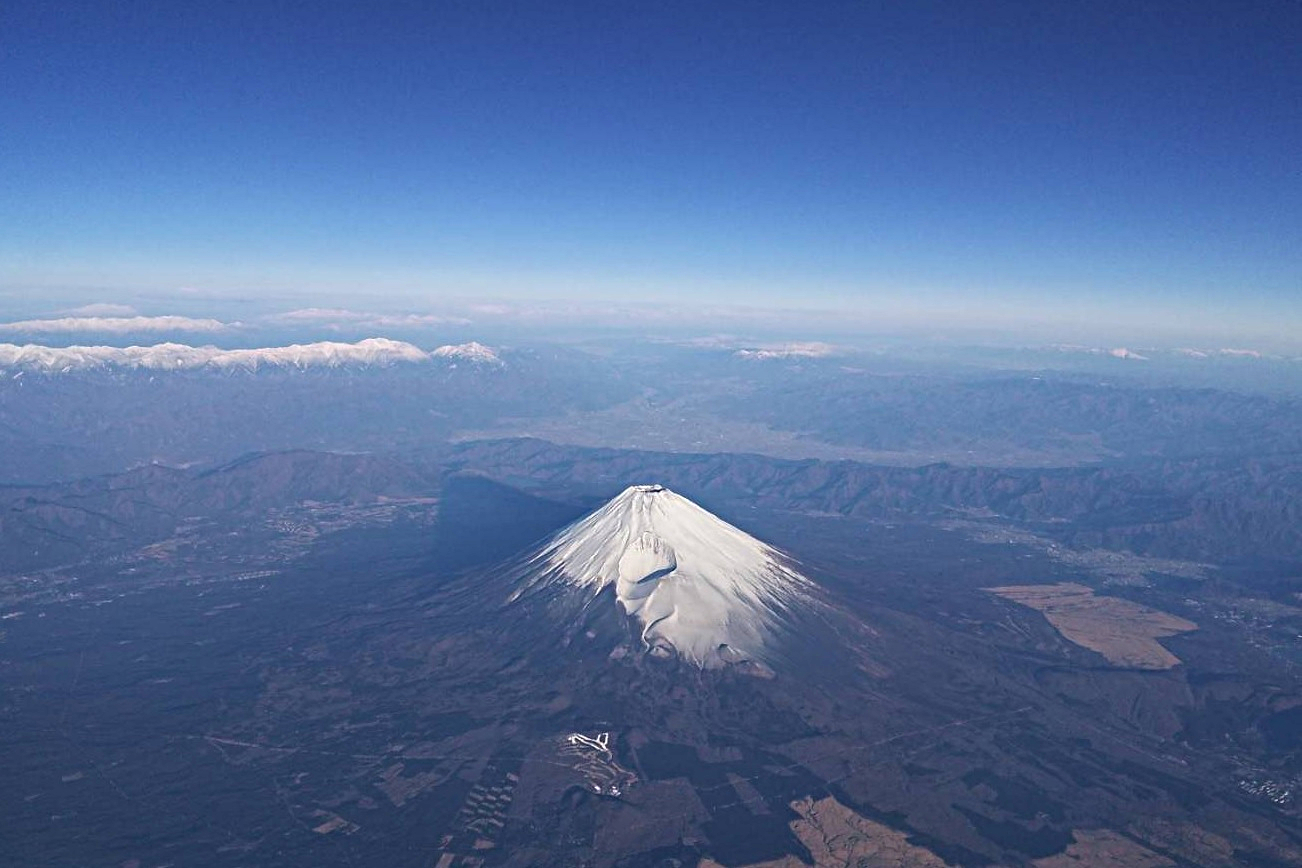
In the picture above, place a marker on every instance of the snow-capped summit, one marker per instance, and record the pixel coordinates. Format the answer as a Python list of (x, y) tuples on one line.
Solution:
[(804, 350), (473, 352), (695, 586)]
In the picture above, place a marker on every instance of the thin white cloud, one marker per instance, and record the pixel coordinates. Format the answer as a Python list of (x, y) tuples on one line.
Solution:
[(620, 314), (116, 324), (335, 318), (708, 342), (319, 314), (495, 309), (102, 309)]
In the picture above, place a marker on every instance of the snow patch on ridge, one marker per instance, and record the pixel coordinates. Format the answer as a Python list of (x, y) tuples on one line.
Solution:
[(699, 588)]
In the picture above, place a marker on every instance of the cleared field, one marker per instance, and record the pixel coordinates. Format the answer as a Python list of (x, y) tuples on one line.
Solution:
[(836, 835), (1125, 633), (1103, 848)]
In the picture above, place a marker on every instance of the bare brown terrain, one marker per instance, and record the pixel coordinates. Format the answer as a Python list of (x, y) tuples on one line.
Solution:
[(1096, 848), (836, 835), (1125, 633)]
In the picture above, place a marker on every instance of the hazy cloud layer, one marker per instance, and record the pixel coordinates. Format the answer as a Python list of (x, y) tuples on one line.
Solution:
[(102, 309), (640, 314), (116, 324), (335, 319)]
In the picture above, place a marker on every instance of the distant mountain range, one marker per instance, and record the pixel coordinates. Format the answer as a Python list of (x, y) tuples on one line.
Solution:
[(214, 405), (1011, 413), (369, 353), (1213, 510)]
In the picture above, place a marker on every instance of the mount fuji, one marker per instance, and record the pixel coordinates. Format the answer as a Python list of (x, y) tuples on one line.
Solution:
[(679, 581)]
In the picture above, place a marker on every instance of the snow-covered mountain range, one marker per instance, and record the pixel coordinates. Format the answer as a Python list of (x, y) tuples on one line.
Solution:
[(372, 352)]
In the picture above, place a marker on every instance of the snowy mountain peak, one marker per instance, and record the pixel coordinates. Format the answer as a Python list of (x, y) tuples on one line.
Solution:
[(803, 350), (473, 352), (696, 587)]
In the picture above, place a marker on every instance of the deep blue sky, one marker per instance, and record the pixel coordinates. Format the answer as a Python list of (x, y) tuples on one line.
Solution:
[(1126, 159)]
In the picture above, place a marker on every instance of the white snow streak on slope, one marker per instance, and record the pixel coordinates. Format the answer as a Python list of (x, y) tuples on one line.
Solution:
[(697, 584)]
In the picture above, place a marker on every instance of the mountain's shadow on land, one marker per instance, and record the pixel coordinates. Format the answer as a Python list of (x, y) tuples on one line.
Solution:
[(480, 520)]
